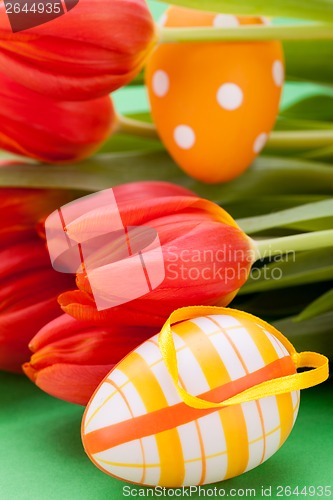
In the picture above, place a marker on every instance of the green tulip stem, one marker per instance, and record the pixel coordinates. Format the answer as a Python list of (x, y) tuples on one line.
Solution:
[(290, 140), (300, 139), (294, 243), (125, 125), (254, 32)]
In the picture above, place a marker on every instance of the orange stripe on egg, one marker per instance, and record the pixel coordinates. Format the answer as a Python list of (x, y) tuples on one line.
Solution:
[(168, 442)]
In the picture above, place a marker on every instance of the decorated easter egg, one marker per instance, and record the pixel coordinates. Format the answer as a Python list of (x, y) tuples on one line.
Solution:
[(138, 428), (214, 103)]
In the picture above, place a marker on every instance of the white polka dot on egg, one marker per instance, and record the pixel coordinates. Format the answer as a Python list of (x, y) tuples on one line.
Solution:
[(160, 83), (184, 136), (230, 96), (225, 21), (260, 142), (278, 73)]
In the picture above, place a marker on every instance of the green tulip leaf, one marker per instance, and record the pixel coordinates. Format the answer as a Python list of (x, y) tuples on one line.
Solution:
[(262, 205), (138, 80), (286, 124), (290, 217), (319, 306), (315, 334), (309, 60), (123, 141), (321, 154), (126, 142), (279, 303), (311, 9), (96, 173), (291, 270), (314, 108), (321, 224), (273, 176), (267, 176)]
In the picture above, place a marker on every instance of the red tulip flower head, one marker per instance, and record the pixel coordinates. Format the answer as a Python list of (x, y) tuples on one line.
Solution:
[(205, 258), (97, 47), (53, 131), (28, 285), (70, 357), (205, 255)]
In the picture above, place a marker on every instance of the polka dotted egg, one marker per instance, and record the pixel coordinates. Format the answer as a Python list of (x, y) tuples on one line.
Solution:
[(137, 428), (215, 103)]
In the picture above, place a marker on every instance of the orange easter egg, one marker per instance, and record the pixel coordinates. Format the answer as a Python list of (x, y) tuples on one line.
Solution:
[(214, 103), (137, 428)]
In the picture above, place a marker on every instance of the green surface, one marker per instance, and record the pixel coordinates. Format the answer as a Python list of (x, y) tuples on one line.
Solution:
[(41, 455)]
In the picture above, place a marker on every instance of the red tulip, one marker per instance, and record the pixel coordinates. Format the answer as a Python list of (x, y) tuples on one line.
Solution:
[(70, 357), (53, 131), (95, 48), (21, 209), (207, 257), (28, 284)]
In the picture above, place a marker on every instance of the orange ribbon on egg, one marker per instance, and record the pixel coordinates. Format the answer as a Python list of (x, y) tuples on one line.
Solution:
[(281, 385)]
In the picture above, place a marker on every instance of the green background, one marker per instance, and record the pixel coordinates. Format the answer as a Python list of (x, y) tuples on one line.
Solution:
[(41, 456)]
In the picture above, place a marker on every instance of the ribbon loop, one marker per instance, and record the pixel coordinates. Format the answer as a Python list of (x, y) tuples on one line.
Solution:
[(317, 362)]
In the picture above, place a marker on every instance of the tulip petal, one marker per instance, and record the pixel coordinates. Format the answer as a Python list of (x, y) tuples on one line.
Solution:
[(95, 345), (142, 190), (82, 307), (23, 207), (57, 329), (60, 380), (21, 257), (81, 351), (18, 327), (34, 125), (112, 38), (29, 286)]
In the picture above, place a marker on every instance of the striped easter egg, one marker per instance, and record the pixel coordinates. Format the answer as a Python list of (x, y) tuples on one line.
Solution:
[(137, 428)]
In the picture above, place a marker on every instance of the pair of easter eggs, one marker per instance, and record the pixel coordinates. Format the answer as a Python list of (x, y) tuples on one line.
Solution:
[(138, 428), (214, 103)]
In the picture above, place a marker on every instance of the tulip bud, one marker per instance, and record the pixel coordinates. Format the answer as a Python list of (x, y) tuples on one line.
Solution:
[(206, 256), (28, 284), (70, 357), (53, 131), (94, 49)]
